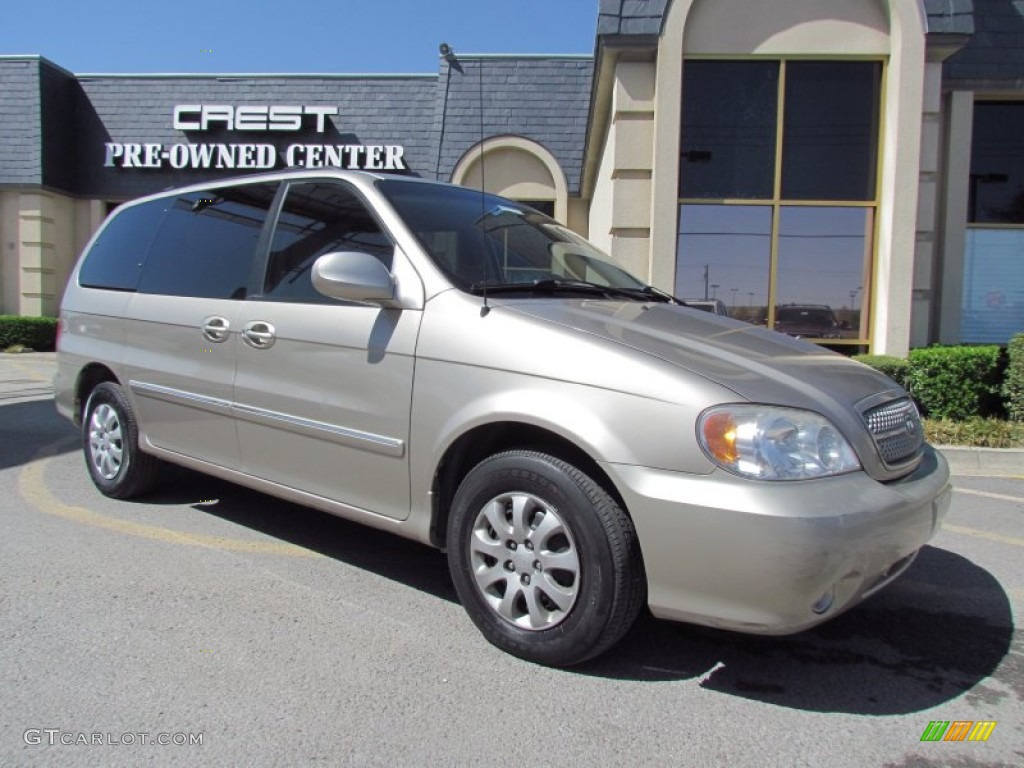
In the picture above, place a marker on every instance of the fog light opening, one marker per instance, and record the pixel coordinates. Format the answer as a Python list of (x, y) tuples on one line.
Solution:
[(823, 603)]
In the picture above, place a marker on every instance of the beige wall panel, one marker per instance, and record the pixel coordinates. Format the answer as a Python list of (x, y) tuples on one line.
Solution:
[(927, 194), (957, 159), (920, 314), (634, 87), (634, 144), (601, 204), (512, 173), (790, 27), (632, 253), (578, 216), (10, 253), (515, 167), (631, 199), (932, 87), (924, 261), (930, 133)]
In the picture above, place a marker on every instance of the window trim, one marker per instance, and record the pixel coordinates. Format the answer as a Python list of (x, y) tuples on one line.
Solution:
[(869, 290)]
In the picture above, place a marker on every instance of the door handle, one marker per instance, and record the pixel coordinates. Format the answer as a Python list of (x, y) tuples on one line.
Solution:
[(259, 334), (215, 329)]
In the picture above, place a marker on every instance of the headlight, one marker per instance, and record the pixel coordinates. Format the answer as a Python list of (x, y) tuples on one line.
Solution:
[(770, 443)]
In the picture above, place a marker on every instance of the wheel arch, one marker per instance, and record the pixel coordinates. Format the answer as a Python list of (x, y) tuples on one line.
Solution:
[(91, 376), (475, 445)]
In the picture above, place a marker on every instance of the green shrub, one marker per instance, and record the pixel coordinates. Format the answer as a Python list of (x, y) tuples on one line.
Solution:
[(896, 368), (1013, 384), (956, 382), (38, 333)]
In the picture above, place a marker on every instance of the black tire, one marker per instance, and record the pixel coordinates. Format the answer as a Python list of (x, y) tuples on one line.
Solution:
[(541, 611), (110, 442)]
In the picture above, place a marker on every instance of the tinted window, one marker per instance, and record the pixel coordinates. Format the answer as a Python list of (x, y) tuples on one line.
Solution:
[(206, 244), (728, 132), (996, 193), (830, 136), (115, 259), (318, 218)]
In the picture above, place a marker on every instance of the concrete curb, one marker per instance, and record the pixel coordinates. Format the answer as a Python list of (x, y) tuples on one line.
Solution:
[(1001, 462)]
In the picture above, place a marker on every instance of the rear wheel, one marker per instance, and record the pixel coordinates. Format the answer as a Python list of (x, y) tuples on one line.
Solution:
[(110, 440), (545, 562)]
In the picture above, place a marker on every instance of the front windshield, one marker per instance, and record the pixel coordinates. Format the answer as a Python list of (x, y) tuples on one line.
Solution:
[(483, 242)]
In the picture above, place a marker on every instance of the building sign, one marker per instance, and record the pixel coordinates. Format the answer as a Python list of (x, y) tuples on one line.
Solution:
[(256, 156)]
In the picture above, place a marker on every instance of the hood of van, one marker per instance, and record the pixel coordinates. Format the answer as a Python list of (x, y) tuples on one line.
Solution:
[(759, 365)]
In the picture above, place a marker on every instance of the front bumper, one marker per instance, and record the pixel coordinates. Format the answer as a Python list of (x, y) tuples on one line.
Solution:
[(776, 557)]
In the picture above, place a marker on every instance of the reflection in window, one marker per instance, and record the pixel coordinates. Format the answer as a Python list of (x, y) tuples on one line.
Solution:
[(318, 218), (993, 298), (724, 253), (821, 265)]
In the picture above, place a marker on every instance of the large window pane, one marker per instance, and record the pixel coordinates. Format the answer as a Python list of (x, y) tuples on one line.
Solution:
[(821, 271), (997, 163), (993, 298), (728, 133), (207, 241), (830, 131), (724, 253)]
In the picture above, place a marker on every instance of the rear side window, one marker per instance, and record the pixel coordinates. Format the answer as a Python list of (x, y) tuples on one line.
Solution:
[(115, 259), (318, 218), (206, 244)]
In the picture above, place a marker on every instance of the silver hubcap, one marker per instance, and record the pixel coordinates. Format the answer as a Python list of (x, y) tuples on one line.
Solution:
[(106, 449), (525, 561)]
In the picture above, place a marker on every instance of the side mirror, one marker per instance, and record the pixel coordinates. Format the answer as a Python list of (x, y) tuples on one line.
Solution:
[(353, 276)]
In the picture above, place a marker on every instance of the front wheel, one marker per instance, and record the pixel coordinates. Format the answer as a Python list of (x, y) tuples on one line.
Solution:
[(544, 560), (110, 440)]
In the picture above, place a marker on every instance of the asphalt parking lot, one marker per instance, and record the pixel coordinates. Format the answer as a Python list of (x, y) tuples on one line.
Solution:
[(243, 630)]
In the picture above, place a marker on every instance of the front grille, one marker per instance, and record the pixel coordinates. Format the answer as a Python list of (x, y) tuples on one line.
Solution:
[(896, 429)]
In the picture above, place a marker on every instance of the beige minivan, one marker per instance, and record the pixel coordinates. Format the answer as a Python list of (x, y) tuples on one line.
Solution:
[(462, 370)]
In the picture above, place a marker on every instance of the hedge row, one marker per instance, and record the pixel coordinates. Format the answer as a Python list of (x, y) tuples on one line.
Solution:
[(961, 382), (1013, 382), (38, 333)]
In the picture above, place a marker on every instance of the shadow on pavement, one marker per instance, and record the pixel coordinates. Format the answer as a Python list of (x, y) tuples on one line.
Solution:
[(27, 426), (935, 634), (385, 554)]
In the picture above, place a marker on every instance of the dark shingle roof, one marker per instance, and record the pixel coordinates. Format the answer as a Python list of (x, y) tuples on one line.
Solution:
[(995, 53), (20, 121), (645, 17), (543, 98)]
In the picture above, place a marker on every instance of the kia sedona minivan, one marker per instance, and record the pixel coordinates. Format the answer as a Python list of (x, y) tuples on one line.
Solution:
[(464, 371)]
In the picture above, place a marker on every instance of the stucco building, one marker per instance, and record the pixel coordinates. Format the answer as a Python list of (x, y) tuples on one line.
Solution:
[(858, 160)]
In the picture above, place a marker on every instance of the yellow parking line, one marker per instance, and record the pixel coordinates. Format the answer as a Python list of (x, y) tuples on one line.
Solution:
[(998, 537), (32, 486), (989, 495)]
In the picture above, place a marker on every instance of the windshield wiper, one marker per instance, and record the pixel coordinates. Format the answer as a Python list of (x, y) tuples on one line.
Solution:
[(554, 285)]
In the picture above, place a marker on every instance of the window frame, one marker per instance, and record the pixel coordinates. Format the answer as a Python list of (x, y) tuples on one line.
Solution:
[(776, 202)]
